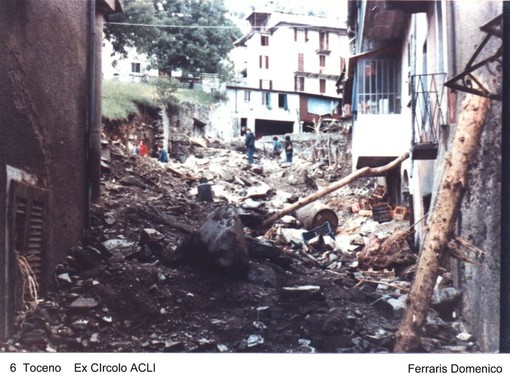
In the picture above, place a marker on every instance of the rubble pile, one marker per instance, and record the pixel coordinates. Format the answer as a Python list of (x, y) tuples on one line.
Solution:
[(133, 284)]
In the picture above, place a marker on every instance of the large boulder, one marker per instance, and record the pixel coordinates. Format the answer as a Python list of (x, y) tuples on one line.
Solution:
[(220, 243)]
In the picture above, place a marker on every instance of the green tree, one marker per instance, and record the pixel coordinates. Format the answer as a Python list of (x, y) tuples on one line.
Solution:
[(192, 35)]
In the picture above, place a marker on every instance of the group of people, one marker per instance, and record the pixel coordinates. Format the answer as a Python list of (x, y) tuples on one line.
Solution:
[(249, 141), (158, 151)]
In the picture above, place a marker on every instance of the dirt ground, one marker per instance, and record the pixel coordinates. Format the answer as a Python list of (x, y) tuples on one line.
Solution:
[(115, 292)]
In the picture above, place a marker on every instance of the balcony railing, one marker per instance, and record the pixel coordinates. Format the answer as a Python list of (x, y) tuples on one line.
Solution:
[(428, 116)]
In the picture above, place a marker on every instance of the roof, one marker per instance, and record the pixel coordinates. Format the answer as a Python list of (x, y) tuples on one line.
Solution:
[(109, 6), (277, 20)]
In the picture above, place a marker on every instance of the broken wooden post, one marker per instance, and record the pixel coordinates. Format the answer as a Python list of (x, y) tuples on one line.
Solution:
[(442, 219), (363, 172)]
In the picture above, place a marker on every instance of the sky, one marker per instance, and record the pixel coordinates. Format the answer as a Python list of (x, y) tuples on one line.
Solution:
[(335, 8)]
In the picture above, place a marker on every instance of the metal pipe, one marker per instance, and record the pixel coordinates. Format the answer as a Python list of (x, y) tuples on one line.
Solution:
[(90, 102)]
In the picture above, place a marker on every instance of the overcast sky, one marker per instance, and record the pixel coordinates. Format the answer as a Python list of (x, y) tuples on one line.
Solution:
[(337, 9)]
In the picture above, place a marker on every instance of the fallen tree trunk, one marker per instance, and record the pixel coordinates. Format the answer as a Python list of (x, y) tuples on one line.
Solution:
[(363, 172), (442, 219)]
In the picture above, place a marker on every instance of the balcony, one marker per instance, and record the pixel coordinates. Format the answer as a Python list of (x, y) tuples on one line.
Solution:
[(428, 116)]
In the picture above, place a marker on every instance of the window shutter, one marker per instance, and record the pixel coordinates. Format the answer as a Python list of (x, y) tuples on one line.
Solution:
[(28, 230)]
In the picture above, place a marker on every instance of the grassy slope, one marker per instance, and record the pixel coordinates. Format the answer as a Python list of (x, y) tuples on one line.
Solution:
[(120, 99)]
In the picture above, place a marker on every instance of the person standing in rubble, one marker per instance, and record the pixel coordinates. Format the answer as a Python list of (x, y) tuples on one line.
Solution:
[(277, 147), (249, 142), (287, 145), (143, 150), (163, 155)]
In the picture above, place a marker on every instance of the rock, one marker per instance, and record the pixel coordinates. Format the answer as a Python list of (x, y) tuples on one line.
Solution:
[(64, 277), (36, 337), (150, 236), (254, 340), (262, 249), (251, 204), (220, 243), (384, 307), (262, 275), (445, 301), (132, 181), (293, 235), (118, 247), (464, 336), (260, 190), (306, 292), (84, 303), (87, 258)]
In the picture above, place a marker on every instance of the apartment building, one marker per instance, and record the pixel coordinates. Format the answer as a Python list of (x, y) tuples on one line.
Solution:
[(288, 68), (412, 63)]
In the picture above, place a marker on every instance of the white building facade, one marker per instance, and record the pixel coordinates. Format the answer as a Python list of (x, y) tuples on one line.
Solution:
[(288, 66)]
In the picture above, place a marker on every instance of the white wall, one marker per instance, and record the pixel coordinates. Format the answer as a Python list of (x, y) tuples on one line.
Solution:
[(115, 66), (380, 135)]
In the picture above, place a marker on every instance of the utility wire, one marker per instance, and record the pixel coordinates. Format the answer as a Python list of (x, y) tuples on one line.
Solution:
[(174, 26)]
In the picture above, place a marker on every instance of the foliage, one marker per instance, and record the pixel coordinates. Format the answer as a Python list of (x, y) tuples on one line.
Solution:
[(195, 36), (199, 97), (165, 89), (121, 99)]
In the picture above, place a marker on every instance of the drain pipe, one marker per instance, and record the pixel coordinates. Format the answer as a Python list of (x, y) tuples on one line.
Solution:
[(93, 132)]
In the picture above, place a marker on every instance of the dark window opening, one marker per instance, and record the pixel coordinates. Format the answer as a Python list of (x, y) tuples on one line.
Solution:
[(323, 41), (136, 67), (322, 85), (299, 84), (264, 41), (426, 203), (272, 128), (199, 127), (282, 101), (244, 124)]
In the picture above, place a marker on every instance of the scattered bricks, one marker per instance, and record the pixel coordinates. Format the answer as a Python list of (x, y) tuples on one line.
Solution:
[(355, 207), (379, 193), (399, 213)]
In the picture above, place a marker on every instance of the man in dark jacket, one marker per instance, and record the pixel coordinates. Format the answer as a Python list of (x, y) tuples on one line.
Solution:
[(287, 145), (249, 141)]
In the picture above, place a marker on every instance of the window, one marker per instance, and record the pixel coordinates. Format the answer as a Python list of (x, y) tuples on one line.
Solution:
[(299, 84), (322, 61), (322, 85), (264, 62), (342, 64), (378, 90), (136, 67), (29, 227), (264, 40), (301, 62), (323, 41), (266, 99), (247, 95), (282, 101)]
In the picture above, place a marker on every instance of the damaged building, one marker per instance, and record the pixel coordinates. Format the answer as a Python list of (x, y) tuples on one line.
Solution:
[(50, 123), (288, 74), (406, 79)]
